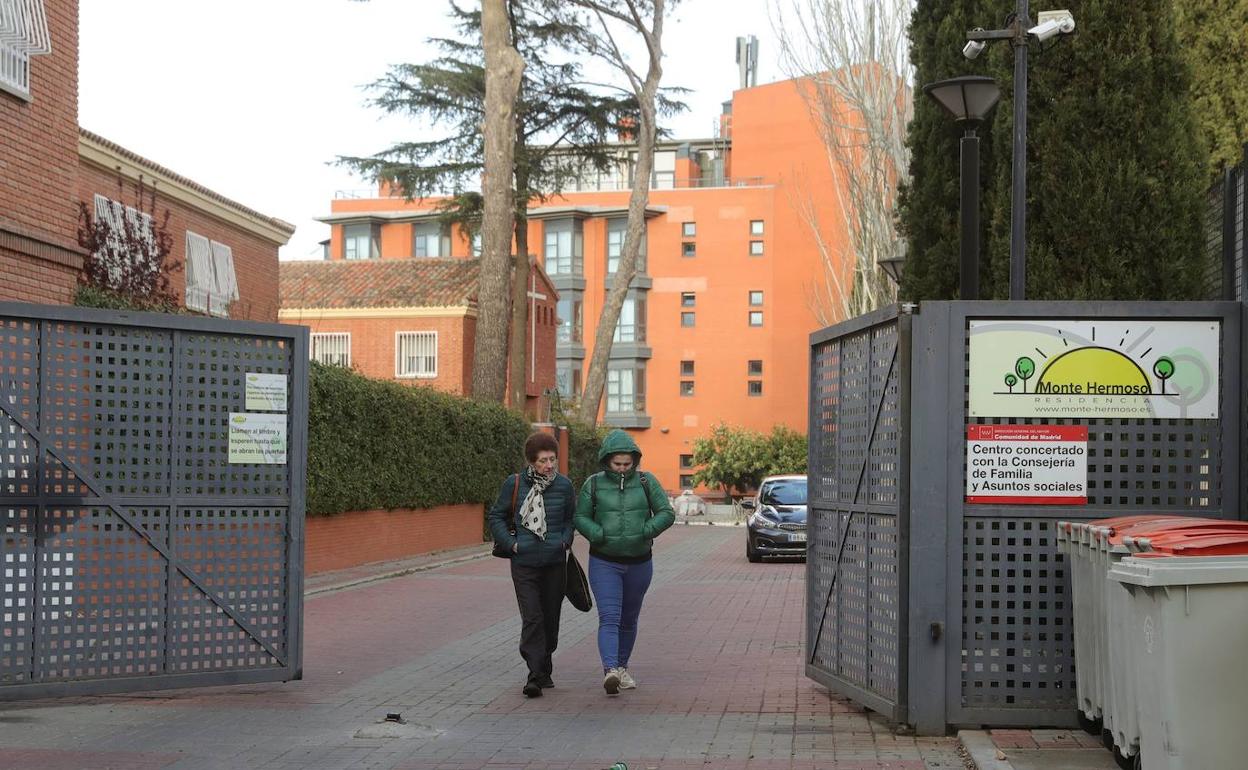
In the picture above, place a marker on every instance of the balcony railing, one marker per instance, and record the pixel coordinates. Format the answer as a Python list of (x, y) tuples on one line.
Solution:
[(596, 186)]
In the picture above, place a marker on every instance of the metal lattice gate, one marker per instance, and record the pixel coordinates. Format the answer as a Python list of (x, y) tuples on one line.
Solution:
[(938, 612), (857, 455), (135, 555)]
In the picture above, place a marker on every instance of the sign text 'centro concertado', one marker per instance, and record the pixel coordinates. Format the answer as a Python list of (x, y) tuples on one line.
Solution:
[(1027, 464), (1055, 368)]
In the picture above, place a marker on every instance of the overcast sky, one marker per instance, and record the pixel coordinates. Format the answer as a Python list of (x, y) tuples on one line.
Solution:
[(254, 99)]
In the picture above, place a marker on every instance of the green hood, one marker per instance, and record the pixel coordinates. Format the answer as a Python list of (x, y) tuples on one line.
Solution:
[(618, 441)]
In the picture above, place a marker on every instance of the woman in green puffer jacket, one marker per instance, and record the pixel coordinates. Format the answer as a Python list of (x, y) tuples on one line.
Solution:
[(620, 511)]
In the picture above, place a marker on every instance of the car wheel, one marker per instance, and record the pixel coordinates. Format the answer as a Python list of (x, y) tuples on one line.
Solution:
[(751, 553)]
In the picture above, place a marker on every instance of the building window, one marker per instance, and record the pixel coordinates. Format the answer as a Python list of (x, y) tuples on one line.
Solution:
[(686, 481), (626, 390), (756, 388), (362, 241), (430, 239), (756, 318), (664, 170), (416, 354), (687, 319), (632, 324), (756, 298), (565, 248), (688, 249), (686, 462), (756, 227), (210, 281), (25, 34), (688, 229), (686, 368), (686, 387), (568, 378), (123, 226), (571, 320), (332, 348), (688, 299), (616, 230), (755, 369), (756, 248)]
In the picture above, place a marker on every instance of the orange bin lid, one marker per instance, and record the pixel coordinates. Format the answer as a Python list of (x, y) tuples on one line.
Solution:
[(1220, 544)]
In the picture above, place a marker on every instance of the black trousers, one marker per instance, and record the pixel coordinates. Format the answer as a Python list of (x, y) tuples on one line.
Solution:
[(539, 593)]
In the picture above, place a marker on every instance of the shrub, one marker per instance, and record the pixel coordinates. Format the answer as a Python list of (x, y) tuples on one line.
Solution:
[(377, 444), (584, 441)]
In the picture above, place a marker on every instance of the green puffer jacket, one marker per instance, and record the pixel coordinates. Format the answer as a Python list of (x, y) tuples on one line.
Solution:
[(619, 514)]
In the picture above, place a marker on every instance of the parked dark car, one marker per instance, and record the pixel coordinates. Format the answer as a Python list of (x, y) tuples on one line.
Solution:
[(777, 523)]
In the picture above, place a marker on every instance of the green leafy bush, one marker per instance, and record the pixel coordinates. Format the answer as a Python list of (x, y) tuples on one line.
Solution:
[(584, 441), (738, 458), (377, 444)]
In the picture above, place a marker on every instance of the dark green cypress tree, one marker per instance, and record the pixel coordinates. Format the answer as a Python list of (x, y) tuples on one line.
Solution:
[(1116, 165), (928, 210)]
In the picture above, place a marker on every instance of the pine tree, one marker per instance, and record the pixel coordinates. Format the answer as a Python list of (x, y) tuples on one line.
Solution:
[(561, 125), (1214, 38)]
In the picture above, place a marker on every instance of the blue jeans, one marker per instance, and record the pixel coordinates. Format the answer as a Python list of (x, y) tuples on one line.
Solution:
[(618, 591)]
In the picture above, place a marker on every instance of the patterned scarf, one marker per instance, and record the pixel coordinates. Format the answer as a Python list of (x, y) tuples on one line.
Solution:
[(533, 511)]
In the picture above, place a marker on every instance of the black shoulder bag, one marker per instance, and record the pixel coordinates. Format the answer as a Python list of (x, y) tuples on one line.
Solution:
[(500, 551)]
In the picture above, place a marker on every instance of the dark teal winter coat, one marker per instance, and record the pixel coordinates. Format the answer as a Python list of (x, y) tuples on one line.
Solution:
[(560, 500), (617, 513)]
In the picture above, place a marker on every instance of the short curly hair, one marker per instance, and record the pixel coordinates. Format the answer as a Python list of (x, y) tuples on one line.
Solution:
[(539, 442)]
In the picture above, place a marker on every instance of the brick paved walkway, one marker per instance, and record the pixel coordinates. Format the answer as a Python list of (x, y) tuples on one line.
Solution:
[(718, 660)]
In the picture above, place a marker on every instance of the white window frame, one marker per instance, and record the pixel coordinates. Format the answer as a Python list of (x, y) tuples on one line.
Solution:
[(626, 397), (757, 227), (115, 214), (756, 248), (759, 292), (211, 283), (426, 234), (335, 337), (416, 337), (24, 34), (374, 241)]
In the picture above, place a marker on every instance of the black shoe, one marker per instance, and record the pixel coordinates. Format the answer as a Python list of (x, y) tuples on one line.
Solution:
[(545, 682), (532, 689)]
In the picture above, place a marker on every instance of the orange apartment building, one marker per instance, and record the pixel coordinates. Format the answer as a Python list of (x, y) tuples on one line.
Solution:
[(716, 325), (224, 255)]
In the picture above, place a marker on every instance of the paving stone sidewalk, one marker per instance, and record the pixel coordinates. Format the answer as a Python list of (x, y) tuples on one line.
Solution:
[(718, 661)]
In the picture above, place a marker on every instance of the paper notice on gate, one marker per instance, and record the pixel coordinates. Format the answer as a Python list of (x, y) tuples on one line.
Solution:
[(257, 439), (1027, 464), (265, 392)]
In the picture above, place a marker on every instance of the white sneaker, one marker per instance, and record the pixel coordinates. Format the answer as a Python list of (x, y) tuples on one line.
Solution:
[(626, 680), (611, 682)]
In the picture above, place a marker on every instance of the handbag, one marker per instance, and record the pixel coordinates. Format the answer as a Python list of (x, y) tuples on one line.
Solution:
[(576, 587), (501, 551)]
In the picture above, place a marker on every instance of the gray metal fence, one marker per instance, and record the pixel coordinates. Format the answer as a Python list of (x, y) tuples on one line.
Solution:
[(135, 554), (937, 612)]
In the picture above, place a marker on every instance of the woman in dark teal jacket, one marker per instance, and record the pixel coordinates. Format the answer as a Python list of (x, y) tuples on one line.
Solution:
[(537, 532), (620, 511)]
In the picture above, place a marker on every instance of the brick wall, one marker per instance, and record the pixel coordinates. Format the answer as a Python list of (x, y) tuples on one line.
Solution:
[(373, 346), (255, 258), (39, 254), (362, 537)]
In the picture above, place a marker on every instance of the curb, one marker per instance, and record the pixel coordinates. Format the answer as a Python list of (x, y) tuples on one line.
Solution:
[(983, 752), (393, 573)]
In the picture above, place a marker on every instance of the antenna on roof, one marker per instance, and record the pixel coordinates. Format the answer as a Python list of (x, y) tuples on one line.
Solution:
[(747, 60)]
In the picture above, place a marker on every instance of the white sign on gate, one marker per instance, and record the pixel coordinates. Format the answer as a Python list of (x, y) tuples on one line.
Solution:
[(1062, 368), (1027, 464)]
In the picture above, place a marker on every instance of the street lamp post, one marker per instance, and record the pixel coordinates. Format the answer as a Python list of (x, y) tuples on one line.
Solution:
[(1019, 32), (967, 99)]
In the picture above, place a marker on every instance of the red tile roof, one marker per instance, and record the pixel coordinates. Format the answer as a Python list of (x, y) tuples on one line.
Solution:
[(417, 282)]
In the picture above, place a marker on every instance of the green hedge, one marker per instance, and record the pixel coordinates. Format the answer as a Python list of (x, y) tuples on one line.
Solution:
[(377, 444), (584, 442)]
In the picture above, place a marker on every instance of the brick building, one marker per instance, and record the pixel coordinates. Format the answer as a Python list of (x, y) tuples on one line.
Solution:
[(223, 256), (717, 321), (411, 320)]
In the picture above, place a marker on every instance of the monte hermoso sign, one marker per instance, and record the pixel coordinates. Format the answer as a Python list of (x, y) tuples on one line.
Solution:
[(1060, 368)]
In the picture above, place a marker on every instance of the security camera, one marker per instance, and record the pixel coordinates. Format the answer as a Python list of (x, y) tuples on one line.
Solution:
[(1050, 27), (973, 48)]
